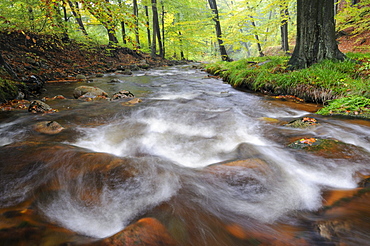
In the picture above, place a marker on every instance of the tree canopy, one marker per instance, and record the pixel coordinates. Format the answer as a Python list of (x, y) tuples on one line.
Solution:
[(184, 29)]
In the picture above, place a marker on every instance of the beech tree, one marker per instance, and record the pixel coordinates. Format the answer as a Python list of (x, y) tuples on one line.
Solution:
[(213, 5), (284, 15), (316, 38), (156, 31)]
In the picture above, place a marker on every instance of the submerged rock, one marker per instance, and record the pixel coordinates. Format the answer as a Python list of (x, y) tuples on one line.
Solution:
[(90, 91), (346, 223), (145, 232), (48, 127)]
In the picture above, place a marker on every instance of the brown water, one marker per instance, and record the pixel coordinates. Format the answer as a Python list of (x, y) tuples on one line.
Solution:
[(116, 163)]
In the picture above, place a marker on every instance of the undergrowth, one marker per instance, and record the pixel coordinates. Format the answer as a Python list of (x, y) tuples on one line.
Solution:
[(319, 83)]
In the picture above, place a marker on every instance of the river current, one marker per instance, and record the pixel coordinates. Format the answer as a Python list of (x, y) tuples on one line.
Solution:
[(177, 146)]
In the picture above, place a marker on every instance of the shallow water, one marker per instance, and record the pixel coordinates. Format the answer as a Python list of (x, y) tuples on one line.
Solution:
[(159, 155)]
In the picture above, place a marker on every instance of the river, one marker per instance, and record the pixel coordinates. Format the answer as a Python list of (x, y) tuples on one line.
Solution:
[(211, 163)]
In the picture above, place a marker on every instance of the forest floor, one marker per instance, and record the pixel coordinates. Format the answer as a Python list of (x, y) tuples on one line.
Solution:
[(49, 58)]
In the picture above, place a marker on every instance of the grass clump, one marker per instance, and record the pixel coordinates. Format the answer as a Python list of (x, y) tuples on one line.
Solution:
[(344, 84), (351, 105), (319, 83)]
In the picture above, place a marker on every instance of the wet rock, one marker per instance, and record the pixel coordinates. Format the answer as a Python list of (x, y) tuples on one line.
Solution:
[(90, 91), (126, 72), (34, 84), (145, 232), (81, 77), (38, 106), (99, 75), (134, 67), (346, 223), (269, 120), (115, 81), (132, 102), (48, 127), (245, 178), (305, 122), (330, 148), (122, 94)]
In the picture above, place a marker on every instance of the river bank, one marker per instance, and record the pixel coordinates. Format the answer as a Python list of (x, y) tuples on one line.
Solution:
[(342, 87), (35, 59)]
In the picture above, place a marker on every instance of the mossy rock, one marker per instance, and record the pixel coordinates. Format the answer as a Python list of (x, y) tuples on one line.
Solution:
[(330, 148), (303, 123), (8, 90)]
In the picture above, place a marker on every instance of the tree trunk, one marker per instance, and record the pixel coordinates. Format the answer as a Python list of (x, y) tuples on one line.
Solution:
[(112, 36), (136, 14), (315, 34), (258, 40), (76, 13), (213, 6), (123, 31), (284, 14), (163, 43), (147, 25), (156, 31), (182, 57)]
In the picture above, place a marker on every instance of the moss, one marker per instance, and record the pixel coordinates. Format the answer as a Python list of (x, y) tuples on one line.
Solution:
[(319, 83), (8, 90)]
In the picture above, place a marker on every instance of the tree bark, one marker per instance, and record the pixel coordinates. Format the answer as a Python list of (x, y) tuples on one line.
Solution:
[(213, 6), (136, 14), (315, 34), (123, 31), (284, 15), (258, 40), (163, 42), (156, 31), (147, 25)]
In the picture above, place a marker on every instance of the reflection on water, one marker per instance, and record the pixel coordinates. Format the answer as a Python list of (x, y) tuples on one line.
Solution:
[(193, 154)]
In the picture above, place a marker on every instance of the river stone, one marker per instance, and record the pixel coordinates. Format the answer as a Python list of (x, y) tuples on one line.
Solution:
[(81, 77), (330, 148), (48, 127), (145, 232), (93, 91), (122, 94), (303, 123), (347, 222), (38, 106)]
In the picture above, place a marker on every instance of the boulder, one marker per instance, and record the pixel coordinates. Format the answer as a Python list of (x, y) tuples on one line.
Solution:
[(93, 91), (346, 222), (305, 122), (38, 106), (48, 127), (145, 232), (330, 148)]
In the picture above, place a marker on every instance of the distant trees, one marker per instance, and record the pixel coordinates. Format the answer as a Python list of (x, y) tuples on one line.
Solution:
[(184, 28)]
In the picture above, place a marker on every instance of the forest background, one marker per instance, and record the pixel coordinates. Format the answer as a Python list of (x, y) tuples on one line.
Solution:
[(175, 30)]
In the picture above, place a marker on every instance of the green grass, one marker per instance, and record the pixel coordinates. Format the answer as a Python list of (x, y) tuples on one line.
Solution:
[(319, 83), (351, 105)]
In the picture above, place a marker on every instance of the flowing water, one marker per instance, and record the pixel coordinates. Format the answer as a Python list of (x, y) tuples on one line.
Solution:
[(196, 154)]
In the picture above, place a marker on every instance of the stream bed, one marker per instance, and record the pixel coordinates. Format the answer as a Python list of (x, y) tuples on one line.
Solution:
[(196, 161)]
